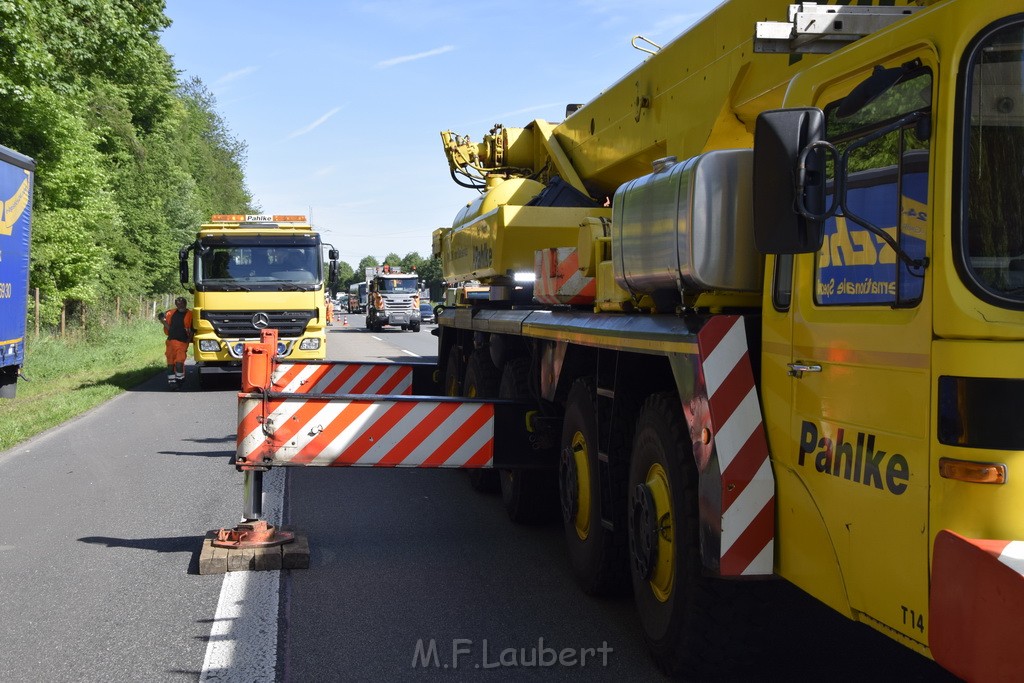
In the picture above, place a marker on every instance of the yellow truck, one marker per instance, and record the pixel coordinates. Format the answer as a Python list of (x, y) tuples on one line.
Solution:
[(252, 272), (758, 308)]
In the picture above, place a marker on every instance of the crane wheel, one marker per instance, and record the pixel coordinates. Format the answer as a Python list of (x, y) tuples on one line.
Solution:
[(688, 620), (597, 554)]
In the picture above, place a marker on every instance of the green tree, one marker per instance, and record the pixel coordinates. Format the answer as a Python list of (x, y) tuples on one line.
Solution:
[(364, 263), (129, 160), (433, 278), (411, 262), (345, 274)]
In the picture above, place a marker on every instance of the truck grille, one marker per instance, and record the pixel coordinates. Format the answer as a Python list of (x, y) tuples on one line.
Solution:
[(239, 324), (399, 304)]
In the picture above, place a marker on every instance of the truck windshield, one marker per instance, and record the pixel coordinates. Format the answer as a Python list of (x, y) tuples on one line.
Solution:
[(991, 244), (399, 286), (232, 265)]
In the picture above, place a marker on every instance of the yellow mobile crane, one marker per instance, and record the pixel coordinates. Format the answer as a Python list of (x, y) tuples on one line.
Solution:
[(760, 306), (833, 196)]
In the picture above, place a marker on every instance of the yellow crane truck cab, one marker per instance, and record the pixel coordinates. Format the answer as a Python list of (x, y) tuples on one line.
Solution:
[(252, 272)]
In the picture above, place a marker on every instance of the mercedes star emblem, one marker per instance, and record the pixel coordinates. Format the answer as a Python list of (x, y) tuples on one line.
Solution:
[(261, 320)]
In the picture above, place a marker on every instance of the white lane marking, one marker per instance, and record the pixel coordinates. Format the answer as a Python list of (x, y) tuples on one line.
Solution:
[(243, 637), (415, 355), (377, 338)]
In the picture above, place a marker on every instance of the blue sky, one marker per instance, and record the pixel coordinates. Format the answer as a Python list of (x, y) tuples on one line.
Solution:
[(341, 103)]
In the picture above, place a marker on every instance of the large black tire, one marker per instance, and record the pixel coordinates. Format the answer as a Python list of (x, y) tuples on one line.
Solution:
[(529, 496), (598, 555), (8, 382), (690, 622), (481, 381), (415, 327)]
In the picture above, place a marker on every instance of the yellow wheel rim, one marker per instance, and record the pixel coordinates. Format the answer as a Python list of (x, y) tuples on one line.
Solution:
[(663, 573), (582, 461)]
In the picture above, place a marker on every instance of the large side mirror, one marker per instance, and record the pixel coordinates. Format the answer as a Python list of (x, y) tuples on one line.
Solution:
[(789, 181), (183, 264), (333, 254), (332, 278)]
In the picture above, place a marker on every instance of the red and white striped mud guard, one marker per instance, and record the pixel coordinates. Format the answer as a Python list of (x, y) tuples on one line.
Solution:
[(748, 485)]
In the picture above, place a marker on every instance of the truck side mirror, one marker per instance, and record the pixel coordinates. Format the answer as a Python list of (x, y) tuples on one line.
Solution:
[(183, 263), (789, 181), (332, 278), (333, 254)]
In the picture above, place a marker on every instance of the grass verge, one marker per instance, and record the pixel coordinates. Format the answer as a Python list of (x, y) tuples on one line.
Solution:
[(70, 376)]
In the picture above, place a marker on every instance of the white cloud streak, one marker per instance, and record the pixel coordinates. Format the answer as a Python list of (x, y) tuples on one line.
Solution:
[(316, 124), (235, 75), (412, 58)]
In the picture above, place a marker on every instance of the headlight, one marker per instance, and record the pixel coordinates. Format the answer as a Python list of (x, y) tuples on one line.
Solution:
[(310, 344), (282, 348), (209, 345), (237, 349)]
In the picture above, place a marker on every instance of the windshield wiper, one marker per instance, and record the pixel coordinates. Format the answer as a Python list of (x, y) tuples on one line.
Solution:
[(231, 288), (291, 287)]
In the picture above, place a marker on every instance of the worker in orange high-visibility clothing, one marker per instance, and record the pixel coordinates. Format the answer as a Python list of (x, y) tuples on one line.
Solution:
[(178, 328), (330, 310)]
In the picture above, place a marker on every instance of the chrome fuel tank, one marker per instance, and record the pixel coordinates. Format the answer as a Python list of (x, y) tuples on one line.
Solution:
[(688, 227)]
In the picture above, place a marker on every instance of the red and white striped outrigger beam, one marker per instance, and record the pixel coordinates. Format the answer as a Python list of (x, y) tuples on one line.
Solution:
[(342, 378), (363, 414)]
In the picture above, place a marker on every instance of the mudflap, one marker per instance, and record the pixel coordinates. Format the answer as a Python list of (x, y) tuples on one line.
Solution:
[(977, 597)]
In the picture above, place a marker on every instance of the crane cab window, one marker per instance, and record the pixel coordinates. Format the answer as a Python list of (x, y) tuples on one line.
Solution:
[(991, 245), (886, 150)]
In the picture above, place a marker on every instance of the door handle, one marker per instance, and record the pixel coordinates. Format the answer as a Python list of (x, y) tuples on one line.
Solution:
[(798, 369)]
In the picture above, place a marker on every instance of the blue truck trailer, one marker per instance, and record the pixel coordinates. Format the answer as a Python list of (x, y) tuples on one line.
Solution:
[(16, 176)]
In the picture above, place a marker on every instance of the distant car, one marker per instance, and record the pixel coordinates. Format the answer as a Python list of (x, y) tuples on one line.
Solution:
[(426, 313)]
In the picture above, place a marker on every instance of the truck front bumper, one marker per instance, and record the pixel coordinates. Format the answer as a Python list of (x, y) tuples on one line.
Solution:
[(211, 351), (403, 318)]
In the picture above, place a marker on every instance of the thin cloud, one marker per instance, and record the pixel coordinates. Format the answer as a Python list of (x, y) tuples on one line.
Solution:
[(412, 58), (504, 116), (672, 26), (316, 124), (326, 170), (235, 75)]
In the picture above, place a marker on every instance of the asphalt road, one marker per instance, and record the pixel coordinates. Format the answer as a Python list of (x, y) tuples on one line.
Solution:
[(413, 574)]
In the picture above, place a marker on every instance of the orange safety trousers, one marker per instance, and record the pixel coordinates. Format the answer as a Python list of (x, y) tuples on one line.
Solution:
[(176, 351)]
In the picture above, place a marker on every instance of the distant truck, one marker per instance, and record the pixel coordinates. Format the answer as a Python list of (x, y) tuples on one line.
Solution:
[(393, 298), (357, 297), (16, 178), (251, 272)]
